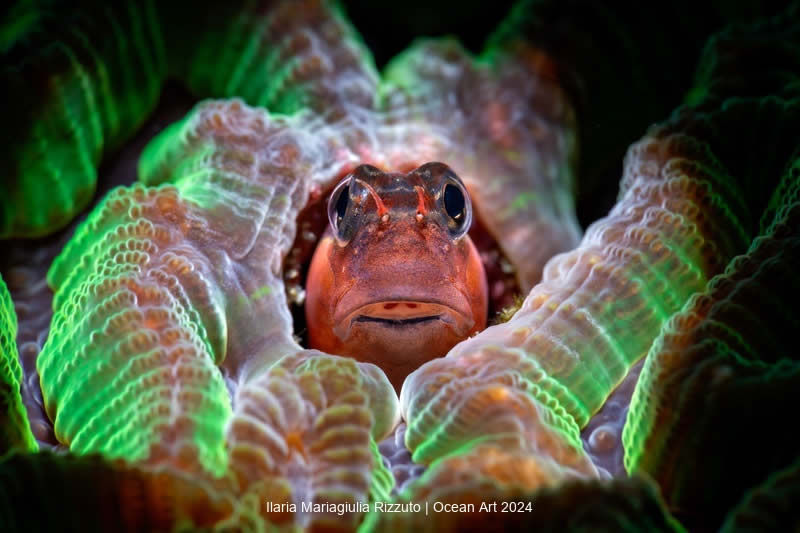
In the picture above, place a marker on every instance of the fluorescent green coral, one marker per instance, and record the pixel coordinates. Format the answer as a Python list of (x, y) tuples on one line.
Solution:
[(716, 372), (690, 197), (15, 432), (162, 285), (593, 315), (306, 429), (74, 101), (128, 369), (90, 78), (770, 506)]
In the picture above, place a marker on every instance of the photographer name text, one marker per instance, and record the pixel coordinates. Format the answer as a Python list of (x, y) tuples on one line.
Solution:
[(426, 507)]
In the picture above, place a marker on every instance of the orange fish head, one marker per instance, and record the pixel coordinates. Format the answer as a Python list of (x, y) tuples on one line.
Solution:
[(396, 280)]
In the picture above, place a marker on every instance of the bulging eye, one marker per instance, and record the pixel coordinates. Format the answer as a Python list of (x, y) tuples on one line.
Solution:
[(454, 202), (337, 205), (458, 208)]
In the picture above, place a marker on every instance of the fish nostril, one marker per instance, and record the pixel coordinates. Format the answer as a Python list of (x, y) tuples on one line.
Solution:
[(389, 306), (411, 306)]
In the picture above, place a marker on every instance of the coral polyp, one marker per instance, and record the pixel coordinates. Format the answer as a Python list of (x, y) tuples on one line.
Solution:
[(16, 431), (130, 357)]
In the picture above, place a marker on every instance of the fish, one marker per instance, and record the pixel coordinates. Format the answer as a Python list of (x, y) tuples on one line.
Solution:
[(400, 282)]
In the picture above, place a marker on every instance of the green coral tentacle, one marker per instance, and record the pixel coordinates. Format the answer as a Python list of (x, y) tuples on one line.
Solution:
[(16, 432), (75, 99), (690, 199), (82, 86), (129, 366), (721, 365)]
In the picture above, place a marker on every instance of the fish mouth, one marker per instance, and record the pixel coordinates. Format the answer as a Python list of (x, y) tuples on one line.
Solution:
[(401, 314), (396, 322)]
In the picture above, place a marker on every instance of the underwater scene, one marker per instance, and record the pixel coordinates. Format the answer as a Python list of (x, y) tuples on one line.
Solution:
[(317, 265)]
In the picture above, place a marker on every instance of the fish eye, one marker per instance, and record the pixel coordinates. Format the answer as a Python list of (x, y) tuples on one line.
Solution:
[(341, 203), (458, 208), (337, 204), (454, 202)]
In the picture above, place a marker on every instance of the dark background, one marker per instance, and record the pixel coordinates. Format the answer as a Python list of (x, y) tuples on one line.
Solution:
[(389, 27)]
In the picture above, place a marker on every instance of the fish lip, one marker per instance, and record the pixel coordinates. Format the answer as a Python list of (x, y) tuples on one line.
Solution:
[(446, 296), (396, 322), (440, 311)]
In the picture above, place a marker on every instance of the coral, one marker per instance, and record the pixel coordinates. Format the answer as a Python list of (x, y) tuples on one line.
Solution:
[(75, 99), (505, 128), (474, 503), (113, 495), (592, 316), (715, 373), (129, 366), (171, 373), (305, 433), (86, 83), (16, 433), (681, 216), (770, 506)]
